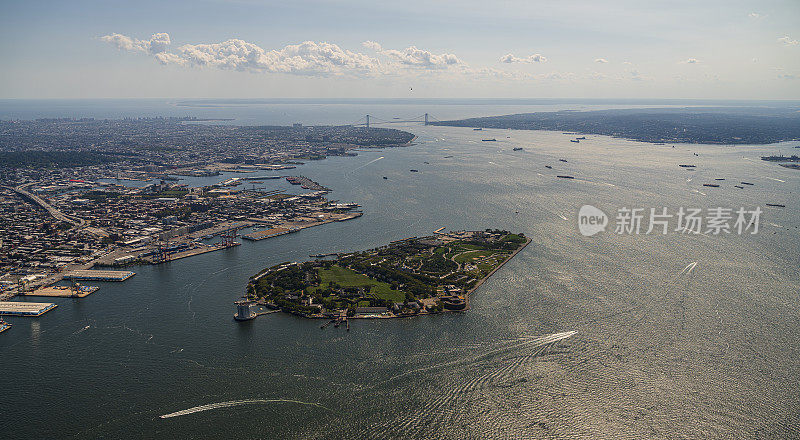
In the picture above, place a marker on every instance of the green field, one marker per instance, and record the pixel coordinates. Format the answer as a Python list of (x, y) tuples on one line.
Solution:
[(349, 278), (468, 257)]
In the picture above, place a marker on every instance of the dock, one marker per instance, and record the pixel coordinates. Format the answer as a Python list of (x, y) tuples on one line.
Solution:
[(99, 275), (267, 233), (64, 291), (13, 308), (197, 250)]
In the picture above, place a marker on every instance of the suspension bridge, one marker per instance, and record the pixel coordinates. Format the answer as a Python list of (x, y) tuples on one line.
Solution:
[(369, 121)]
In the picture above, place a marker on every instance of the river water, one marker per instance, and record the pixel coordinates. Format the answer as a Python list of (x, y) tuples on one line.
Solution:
[(662, 347)]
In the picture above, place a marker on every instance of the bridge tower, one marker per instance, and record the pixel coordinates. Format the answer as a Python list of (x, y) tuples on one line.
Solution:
[(426, 119), (367, 121)]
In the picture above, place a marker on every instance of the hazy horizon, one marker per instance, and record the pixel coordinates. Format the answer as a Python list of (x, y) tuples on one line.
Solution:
[(317, 48)]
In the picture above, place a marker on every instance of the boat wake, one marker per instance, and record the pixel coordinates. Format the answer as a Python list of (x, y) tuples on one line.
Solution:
[(442, 407), (232, 403), (368, 163), (689, 268)]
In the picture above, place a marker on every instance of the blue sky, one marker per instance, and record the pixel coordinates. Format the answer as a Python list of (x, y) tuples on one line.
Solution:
[(260, 49)]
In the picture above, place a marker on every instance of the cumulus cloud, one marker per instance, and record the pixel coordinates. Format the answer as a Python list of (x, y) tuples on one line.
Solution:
[(601, 60), (306, 58), (414, 57), (372, 45), (788, 41), (157, 43), (535, 58)]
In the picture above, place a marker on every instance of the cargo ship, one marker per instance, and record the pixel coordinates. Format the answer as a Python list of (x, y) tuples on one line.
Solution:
[(518, 149), (713, 185), (566, 177), (489, 140), (574, 140), (776, 205), (687, 166)]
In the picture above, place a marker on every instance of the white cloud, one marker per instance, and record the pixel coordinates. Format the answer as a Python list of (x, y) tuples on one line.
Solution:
[(788, 41), (601, 60), (372, 45), (627, 63), (307, 58), (691, 61), (535, 58), (157, 43), (414, 57), (755, 15)]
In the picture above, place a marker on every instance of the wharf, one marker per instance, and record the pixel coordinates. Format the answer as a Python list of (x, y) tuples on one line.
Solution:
[(13, 308), (99, 275), (220, 228), (196, 251), (63, 291), (267, 233)]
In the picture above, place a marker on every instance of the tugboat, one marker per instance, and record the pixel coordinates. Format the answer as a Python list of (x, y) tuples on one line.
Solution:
[(385, 178), (548, 167), (575, 140), (562, 160), (517, 148), (414, 171)]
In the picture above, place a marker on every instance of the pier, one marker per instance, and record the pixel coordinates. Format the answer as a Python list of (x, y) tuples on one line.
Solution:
[(64, 291), (267, 233), (13, 308), (99, 275)]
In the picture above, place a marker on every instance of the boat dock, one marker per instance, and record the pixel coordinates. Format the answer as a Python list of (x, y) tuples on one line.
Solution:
[(13, 308), (99, 275)]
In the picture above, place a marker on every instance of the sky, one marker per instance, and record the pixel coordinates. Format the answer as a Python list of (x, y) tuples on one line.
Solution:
[(704, 49)]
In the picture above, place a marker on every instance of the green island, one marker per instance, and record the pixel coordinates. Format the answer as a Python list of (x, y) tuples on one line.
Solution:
[(413, 276)]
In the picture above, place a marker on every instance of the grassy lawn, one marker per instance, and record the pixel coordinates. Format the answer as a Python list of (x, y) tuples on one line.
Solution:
[(468, 257), (349, 278)]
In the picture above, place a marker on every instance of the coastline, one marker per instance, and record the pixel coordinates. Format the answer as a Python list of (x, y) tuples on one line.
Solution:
[(513, 254)]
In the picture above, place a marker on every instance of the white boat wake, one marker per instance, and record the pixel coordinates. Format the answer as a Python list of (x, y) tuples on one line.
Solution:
[(231, 403), (689, 268), (368, 163)]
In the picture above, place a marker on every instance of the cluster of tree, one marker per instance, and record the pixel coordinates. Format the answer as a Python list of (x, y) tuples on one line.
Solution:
[(438, 264)]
